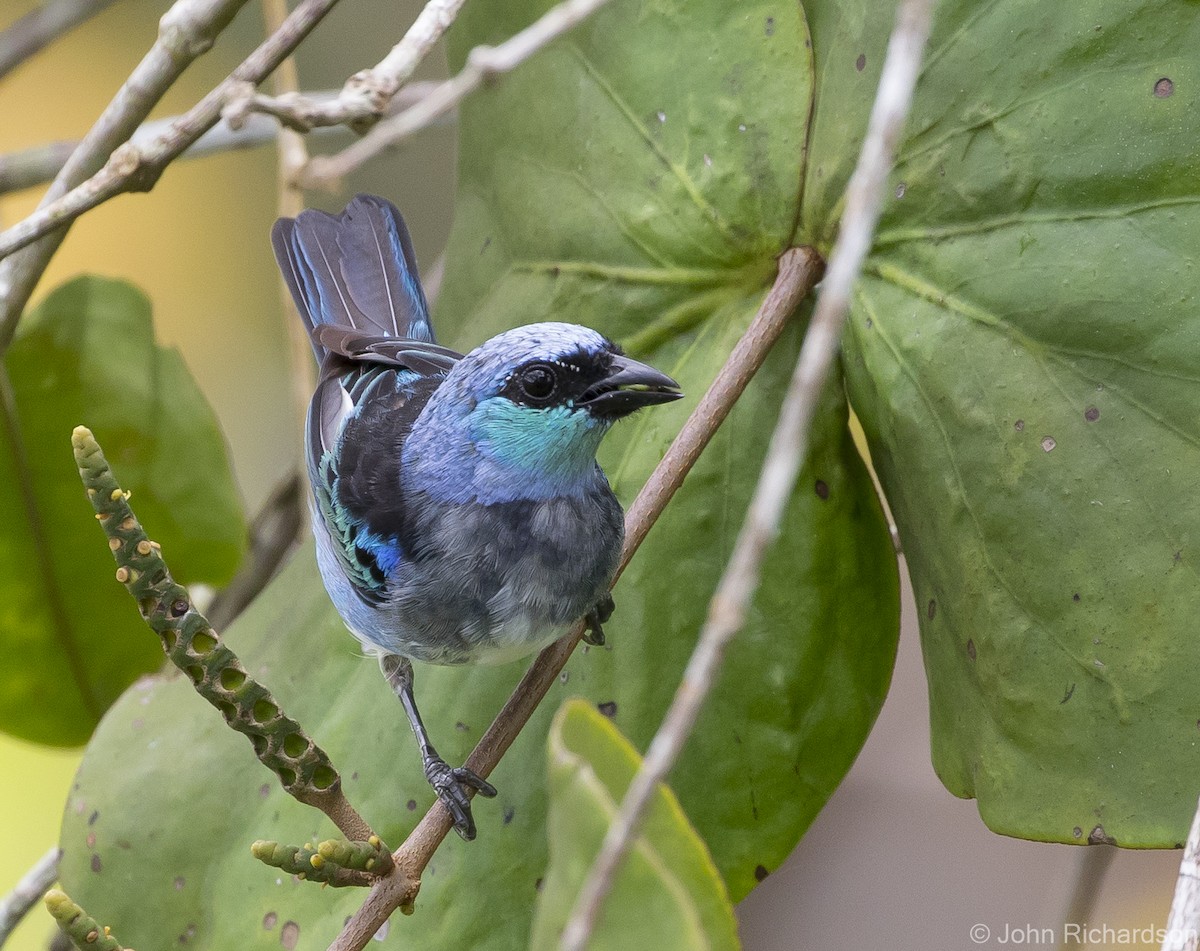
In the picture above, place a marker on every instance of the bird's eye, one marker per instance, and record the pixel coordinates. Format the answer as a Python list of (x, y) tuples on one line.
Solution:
[(538, 382)]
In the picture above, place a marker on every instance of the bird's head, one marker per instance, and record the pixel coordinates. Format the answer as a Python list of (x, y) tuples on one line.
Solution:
[(533, 403)]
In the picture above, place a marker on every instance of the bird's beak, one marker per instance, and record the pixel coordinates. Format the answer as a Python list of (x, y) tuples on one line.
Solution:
[(629, 386)]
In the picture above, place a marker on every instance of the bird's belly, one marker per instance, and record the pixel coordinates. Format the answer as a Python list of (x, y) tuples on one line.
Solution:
[(491, 585)]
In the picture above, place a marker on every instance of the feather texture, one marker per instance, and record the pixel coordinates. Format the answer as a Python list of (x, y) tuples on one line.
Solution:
[(354, 271)]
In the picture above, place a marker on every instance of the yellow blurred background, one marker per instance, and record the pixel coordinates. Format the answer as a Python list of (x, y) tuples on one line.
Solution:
[(893, 862)]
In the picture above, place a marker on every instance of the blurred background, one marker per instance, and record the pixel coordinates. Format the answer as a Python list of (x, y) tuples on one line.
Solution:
[(893, 861)]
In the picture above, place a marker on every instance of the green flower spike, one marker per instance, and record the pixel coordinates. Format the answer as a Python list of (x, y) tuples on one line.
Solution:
[(194, 647), (333, 862), (77, 925)]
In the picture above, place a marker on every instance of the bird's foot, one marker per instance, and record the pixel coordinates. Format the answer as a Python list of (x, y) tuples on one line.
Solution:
[(452, 785), (595, 619)]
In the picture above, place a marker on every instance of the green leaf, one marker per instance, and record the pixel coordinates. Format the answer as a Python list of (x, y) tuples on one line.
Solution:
[(1023, 353), (648, 202), (668, 876), (71, 644)]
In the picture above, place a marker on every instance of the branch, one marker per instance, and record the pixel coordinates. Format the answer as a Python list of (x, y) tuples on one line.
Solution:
[(367, 95), (291, 155), (38, 28), (136, 168), (1183, 922), (28, 891), (484, 63), (39, 164), (799, 271), (186, 31), (786, 453)]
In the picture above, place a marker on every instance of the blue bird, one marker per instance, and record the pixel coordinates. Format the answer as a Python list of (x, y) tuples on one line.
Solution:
[(459, 513)]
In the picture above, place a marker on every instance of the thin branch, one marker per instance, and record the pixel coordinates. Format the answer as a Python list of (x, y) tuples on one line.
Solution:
[(186, 31), (367, 95), (484, 63), (799, 271), (273, 535), (1183, 922), (38, 28), (137, 168), (28, 892), (785, 454), (292, 155), (39, 164)]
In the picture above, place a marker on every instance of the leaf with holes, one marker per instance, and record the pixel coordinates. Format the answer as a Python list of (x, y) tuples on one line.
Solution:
[(71, 645), (668, 875), (1023, 353)]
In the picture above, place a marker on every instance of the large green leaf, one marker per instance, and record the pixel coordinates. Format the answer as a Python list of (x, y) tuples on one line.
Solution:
[(87, 355), (639, 176), (668, 876), (1024, 353)]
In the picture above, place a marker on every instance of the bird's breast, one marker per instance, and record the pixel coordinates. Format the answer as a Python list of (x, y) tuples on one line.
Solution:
[(490, 583)]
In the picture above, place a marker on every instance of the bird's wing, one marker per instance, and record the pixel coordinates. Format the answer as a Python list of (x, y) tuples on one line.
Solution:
[(356, 271), (425, 358), (358, 421)]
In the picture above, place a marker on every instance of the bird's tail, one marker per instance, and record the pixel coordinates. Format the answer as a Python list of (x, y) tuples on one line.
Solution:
[(355, 272)]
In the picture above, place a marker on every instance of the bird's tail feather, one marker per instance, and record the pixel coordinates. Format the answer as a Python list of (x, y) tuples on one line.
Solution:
[(355, 270)]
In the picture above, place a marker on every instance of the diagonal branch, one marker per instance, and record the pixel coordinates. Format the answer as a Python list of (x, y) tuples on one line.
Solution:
[(33, 884), (799, 271), (136, 168), (786, 453), (367, 94), (185, 32), (484, 63), (38, 28)]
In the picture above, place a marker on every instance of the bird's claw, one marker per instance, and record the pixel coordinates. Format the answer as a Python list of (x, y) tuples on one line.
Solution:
[(595, 619), (453, 785)]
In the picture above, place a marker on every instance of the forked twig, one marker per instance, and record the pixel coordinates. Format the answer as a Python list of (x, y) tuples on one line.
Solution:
[(483, 63), (38, 164), (367, 95), (788, 447), (185, 32), (137, 168), (799, 271)]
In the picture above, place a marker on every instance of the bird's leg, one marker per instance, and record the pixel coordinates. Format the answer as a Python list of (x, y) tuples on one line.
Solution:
[(452, 785), (596, 618)]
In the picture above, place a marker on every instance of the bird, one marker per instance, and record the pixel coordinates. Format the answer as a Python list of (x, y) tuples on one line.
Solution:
[(459, 513)]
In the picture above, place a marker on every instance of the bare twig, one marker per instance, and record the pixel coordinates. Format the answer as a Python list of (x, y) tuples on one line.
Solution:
[(292, 155), (367, 94), (483, 63), (134, 168), (799, 271), (38, 28), (273, 535), (1183, 922), (786, 453), (39, 164), (28, 892), (185, 32)]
